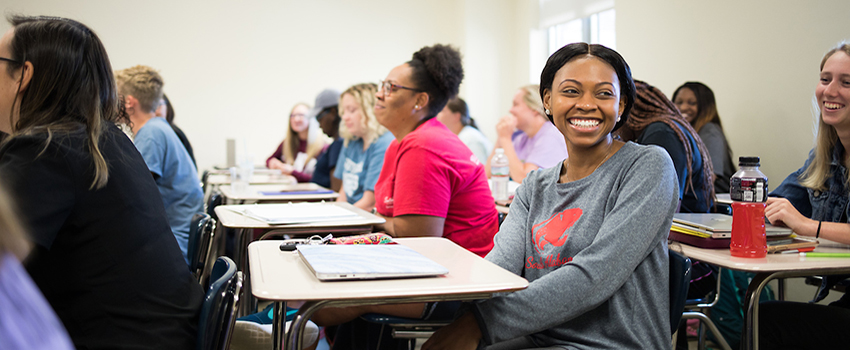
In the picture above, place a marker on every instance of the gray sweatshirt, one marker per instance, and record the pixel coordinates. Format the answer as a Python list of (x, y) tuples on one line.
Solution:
[(595, 254)]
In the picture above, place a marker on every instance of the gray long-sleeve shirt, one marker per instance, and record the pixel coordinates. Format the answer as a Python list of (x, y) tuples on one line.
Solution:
[(595, 254)]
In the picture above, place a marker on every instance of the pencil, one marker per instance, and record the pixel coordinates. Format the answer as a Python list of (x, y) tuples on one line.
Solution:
[(825, 255)]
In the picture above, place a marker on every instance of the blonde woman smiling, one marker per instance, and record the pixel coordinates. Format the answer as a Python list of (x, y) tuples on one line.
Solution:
[(366, 141)]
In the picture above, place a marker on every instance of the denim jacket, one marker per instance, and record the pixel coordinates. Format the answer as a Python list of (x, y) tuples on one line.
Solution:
[(830, 205)]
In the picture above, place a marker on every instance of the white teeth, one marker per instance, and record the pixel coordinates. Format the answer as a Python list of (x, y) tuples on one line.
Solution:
[(831, 105), (584, 123)]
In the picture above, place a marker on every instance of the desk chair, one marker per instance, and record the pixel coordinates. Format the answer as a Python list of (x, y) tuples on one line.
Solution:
[(680, 277), (218, 312), (201, 237), (696, 309)]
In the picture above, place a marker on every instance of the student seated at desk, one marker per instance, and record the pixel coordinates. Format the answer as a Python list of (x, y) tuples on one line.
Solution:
[(304, 140), (815, 201), (655, 120), (103, 255), (168, 160), (328, 118), (590, 235), (455, 116), (529, 142), (696, 102), (363, 150), (166, 110), (426, 188)]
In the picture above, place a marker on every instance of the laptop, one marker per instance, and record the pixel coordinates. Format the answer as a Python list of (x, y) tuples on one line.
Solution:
[(363, 262), (720, 225)]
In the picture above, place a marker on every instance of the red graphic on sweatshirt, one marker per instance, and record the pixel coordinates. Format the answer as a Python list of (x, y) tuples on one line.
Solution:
[(553, 230)]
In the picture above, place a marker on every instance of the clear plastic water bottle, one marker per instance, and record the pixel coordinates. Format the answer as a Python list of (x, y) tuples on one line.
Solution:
[(500, 172), (749, 184)]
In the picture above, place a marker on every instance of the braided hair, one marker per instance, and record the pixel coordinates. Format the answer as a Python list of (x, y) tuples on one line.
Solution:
[(651, 105)]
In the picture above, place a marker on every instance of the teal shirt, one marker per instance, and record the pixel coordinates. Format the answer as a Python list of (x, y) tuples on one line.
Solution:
[(359, 169)]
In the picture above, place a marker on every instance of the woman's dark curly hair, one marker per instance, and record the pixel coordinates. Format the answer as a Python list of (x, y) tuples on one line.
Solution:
[(437, 71)]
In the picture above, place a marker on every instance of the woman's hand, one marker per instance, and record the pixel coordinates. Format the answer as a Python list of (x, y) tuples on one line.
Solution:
[(505, 127), (781, 211), (285, 169), (462, 334)]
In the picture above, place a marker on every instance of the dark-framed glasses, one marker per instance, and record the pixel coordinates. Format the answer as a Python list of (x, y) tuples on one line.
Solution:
[(9, 60), (387, 88)]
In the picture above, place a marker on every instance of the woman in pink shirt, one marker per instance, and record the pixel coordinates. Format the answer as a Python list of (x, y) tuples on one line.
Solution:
[(431, 184)]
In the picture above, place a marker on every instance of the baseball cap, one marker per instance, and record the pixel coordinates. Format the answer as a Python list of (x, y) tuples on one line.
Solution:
[(326, 98)]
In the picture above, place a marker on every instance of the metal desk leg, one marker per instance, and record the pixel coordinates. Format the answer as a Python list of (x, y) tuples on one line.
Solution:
[(249, 303), (295, 336), (279, 325), (750, 336)]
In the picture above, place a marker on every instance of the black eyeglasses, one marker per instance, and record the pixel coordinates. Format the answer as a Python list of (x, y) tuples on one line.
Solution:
[(387, 88), (9, 60)]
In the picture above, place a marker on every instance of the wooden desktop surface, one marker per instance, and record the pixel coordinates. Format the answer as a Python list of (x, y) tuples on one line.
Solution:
[(279, 275), (770, 267)]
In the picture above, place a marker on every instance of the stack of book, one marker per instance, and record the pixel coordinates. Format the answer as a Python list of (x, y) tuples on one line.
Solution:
[(715, 231)]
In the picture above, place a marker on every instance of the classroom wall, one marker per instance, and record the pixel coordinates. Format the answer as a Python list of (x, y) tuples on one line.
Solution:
[(760, 57), (234, 70)]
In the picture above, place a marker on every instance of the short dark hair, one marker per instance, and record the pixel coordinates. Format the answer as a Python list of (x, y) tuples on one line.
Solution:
[(575, 50), (458, 105), (437, 71)]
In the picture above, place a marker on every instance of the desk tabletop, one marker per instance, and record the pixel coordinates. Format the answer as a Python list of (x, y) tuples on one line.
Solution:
[(261, 178), (771, 263), (231, 216), (283, 193), (278, 275)]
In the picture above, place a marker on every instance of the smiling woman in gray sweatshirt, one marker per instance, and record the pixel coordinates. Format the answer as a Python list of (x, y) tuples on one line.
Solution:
[(590, 235)]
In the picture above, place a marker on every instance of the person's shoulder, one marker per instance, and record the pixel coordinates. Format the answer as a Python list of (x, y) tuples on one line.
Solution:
[(384, 140), (542, 177), (64, 142), (645, 155)]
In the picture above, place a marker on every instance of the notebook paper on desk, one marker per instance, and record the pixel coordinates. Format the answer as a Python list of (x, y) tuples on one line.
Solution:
[(357, 262), (292, 213)]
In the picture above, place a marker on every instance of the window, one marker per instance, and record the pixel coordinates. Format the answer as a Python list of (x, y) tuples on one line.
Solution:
[(597, 28)]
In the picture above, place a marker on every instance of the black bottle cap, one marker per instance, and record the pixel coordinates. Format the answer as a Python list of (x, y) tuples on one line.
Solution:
[(748, 161)]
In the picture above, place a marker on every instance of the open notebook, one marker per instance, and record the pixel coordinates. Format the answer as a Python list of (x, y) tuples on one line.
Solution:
[(357, 261), (293, 213)]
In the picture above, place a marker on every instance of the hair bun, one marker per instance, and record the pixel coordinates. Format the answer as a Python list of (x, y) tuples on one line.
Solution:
[(443, 64)]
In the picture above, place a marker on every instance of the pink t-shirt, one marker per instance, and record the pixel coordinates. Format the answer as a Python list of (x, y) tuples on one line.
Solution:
[(431, 172)]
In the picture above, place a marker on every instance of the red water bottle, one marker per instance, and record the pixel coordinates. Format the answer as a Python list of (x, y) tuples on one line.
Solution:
[(748, 238)]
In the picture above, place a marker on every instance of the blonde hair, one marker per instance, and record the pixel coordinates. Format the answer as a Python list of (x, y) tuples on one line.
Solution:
[(142, 82), (364, 95), (316, 139), (531, 97), (12, 236), (815, 175)]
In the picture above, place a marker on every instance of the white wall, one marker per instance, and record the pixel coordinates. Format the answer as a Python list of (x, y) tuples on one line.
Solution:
[(761, 58), (236, 69)]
